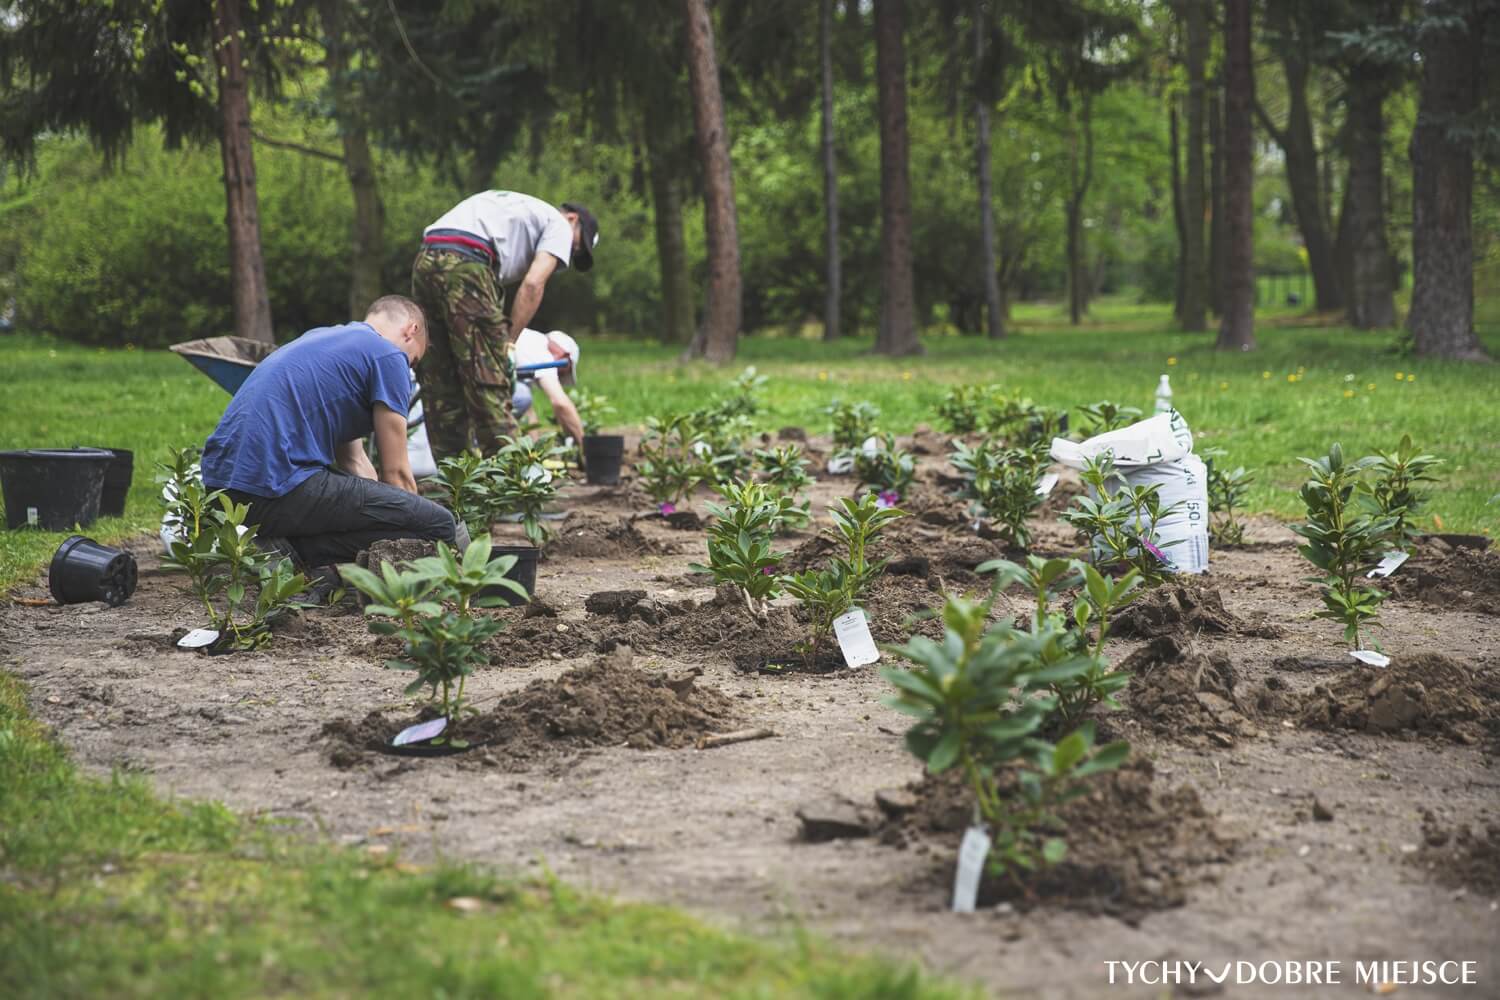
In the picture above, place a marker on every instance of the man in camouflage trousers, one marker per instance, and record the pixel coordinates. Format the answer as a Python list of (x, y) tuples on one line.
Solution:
[(489, 243)]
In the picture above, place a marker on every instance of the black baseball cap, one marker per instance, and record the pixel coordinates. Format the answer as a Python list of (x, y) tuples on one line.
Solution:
[(583, 258)]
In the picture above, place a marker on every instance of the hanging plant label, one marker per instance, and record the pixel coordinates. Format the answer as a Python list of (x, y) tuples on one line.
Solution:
[(971, 854), (1045, 484), (198, 638), (1388, 565), (421, 732), (1370, 657), (841, 465), (855, 642)]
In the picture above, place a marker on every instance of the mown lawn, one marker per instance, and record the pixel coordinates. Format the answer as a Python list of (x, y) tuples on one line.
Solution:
[(1306, 387), (108, 891)]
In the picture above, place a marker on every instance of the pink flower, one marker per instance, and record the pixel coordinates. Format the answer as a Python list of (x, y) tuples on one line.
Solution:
[(1161, 556), (667, 508), (765, 571), (887, 499)]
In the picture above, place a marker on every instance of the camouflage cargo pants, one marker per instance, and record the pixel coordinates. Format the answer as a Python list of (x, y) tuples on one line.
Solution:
[(466, 385)]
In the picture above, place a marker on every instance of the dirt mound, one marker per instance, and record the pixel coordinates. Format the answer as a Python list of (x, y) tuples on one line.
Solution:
[(606, 703), (1462, 857), (1457, 579), (1180, 692), (595, 536), (722, 628), (1186, 606), (1424, 693), (1132, 848)]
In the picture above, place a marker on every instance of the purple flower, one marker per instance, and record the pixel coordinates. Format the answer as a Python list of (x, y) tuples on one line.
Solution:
[(765, 571), (887, 499), (1161, 556), (667, 508)]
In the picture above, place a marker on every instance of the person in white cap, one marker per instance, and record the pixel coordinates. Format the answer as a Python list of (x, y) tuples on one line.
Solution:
[(534, 348)]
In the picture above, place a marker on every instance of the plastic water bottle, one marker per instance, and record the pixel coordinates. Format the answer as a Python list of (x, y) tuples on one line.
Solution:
[(1163, 396)]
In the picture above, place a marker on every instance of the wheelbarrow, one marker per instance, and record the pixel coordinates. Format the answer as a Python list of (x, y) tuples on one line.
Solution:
[(226, 360)]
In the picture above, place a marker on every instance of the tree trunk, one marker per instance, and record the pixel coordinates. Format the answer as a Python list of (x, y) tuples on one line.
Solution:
[(831, 261), (1237, 328), (677, 306), (367, 256), (1216, 203), (1302, 178), (718, 337), (1371, 290), (1081, 175), (988, 272), (1178, 222), (1195, 264), (1441, 320), (897, 334), (247, 268)]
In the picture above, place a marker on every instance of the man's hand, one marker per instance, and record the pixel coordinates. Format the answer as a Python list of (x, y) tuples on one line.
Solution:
[(390, 438), (529, 294), (351, 457), (563, 409)]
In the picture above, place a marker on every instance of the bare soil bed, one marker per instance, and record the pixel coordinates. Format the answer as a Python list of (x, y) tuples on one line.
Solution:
[(1278, 807)]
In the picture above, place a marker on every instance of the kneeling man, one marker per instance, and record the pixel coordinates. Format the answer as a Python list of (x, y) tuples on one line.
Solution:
[(291, 446)]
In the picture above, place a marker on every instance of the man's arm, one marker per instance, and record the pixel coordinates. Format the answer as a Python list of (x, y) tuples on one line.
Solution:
[(563, 408), (529, 294), (352, 459), (390, 438)]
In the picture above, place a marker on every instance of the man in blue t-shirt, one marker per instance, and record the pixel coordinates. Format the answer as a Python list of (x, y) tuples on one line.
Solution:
[(291, 446)]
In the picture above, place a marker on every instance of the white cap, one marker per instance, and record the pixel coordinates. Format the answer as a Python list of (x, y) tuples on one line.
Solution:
[(568, 344)]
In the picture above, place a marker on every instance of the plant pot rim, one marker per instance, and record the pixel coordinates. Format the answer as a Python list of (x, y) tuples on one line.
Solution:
[(96, 454)]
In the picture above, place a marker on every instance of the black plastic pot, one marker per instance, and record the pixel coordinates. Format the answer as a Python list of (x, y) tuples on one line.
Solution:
[(116, 482), (523, 572), (83, 570), (53, 489), (601, 458)]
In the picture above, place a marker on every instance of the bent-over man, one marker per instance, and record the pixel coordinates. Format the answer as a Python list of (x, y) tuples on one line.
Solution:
[(536, 348), (291, 445)]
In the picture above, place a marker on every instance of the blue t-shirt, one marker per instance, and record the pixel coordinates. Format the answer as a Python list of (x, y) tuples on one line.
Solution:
[(300, 404)]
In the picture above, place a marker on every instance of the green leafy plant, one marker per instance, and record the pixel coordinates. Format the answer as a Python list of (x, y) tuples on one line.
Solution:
[(592, 408), (520, 483), (718, 443), (669, 469), (974, 698), (1104, 416), (430, 606), (886, 469), (852, 423), (857, 523), (1392, 490), (961, 406), (744, 399), (463, 483), (1344, 540), (1000, 484), (739, 541), (1227, 490), (826, 594), (785, 471), (1117, 520)]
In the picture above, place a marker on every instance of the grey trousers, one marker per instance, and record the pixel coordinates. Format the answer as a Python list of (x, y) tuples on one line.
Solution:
[(332, 516)]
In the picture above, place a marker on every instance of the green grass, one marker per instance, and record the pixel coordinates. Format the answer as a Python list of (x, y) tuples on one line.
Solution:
[(107, 891), (59, 394)]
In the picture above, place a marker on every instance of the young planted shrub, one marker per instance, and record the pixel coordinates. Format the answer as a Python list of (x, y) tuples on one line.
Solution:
[(853, 423), (669, 469), (519, 482), (1104, 416), (1344, 540), (960, 408), (739, 541), (974, 700), (430, 606), (718, 444), (1226, 491), (1392, 490), (463, 483), (1000, 484), (785, 471), (1118, 524), (886, 470), (592, 409)]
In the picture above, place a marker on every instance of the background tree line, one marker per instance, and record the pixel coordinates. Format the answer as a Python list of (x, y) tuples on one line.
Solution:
[(867, 167)]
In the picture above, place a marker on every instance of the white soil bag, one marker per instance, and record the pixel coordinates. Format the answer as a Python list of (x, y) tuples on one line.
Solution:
[(1157, 451)]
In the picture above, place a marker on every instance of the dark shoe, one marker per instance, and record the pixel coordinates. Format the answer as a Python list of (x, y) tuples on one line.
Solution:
[(278, 546)]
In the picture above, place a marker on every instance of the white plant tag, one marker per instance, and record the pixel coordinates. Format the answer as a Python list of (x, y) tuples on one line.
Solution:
[(31, 517), (198, 638), (1045, 484), (855, 641), (971, 854), (1370, 657), (840, 465), (421, 731), (1388, 565)]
